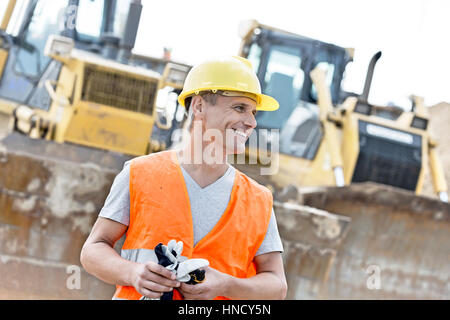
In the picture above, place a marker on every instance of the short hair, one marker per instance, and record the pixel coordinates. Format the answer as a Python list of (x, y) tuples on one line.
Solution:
[(208, 96)]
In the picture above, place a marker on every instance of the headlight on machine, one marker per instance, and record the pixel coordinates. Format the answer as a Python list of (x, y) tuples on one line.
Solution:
[(419, 123), (58, 46), (390, 134)]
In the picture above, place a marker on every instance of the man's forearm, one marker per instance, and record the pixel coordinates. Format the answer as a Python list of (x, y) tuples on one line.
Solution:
[(264, 286), (102, 261)]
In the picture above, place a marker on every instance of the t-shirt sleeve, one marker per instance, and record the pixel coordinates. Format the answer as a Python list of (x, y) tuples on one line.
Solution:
[(272, 240), (117, 204)]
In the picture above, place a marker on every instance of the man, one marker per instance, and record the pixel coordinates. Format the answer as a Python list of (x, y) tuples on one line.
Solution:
[(193, 195)]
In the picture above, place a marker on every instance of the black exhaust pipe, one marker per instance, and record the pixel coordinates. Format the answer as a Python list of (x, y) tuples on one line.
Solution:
[(365, 95), (129, 37)]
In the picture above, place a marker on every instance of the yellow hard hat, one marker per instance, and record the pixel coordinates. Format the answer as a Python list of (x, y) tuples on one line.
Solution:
[(232, 74)]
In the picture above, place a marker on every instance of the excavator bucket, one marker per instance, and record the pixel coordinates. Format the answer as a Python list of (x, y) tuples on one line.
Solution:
[(311, 239), (50, 196), (386, 243)]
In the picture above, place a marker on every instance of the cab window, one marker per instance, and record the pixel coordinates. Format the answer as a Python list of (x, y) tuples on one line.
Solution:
[(283, 80)]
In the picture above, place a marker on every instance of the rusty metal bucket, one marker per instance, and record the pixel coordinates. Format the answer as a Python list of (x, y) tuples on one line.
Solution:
[(50, 196), (392, 244), (311, 240)]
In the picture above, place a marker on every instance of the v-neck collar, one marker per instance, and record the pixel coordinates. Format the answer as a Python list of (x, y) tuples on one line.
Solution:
[(225, 216), (197, 186), (215, 183)]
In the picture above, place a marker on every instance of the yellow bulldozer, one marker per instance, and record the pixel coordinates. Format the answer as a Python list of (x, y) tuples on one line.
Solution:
[(76, 104), (79, 104), (348, 177)]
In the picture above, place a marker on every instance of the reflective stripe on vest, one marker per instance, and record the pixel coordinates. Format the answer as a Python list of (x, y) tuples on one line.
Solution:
[(160, 211)]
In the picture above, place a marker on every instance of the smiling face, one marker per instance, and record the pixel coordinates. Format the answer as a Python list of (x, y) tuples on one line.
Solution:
[(233, 117)]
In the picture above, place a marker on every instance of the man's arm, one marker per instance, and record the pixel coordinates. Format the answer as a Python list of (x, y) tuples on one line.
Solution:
[(99, 258), (268, 283)]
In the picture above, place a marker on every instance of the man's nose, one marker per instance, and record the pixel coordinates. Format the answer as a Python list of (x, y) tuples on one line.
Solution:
[(250, 120)]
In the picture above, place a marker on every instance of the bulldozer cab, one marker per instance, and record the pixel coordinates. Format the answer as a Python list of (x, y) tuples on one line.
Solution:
[(283, 62), (54, 60), (32, 22), (340, 138)]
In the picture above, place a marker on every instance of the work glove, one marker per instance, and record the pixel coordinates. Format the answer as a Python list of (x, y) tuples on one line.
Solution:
[(186, 270)]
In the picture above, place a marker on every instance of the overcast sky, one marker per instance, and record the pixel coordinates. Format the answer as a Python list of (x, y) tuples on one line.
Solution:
[(414, 36)]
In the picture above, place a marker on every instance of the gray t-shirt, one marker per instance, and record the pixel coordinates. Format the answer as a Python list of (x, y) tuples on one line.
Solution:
[(207, 206)]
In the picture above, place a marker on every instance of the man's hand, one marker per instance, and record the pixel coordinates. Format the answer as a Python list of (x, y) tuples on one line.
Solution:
[(268, 283), (213, 286), (152, 280)]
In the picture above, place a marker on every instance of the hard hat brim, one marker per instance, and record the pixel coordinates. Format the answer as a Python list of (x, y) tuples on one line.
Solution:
[(267, 103), (264, 103)]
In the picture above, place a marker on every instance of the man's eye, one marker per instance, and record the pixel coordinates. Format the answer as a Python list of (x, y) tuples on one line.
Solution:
[(239, 108)]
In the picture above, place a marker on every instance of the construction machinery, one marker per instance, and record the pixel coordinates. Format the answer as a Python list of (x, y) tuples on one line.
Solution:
[(78, 104), (347, 178)]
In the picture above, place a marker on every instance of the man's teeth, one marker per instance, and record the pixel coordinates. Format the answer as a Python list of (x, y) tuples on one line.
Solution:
[(242, 134)]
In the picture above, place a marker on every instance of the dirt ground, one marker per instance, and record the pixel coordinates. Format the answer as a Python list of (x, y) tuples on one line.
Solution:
[(440, 131)]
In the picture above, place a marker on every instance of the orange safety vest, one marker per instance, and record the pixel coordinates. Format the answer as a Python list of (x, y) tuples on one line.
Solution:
[(160, 211)]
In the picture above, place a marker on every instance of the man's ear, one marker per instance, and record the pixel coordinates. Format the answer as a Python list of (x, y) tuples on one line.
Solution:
[(198, 106)]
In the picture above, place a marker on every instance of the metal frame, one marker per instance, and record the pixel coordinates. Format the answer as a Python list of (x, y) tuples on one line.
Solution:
[(83, 41), (310, 49)]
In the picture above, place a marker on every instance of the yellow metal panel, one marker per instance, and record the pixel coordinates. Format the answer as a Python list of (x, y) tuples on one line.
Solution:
[(402, 123), (325, 109), (304, 172), (7, 15), (7, 106), (424, 167), (437, 172), (3, 59), (350, 145), (291, 170), (109, 128), (60, 113), (320, 172)]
